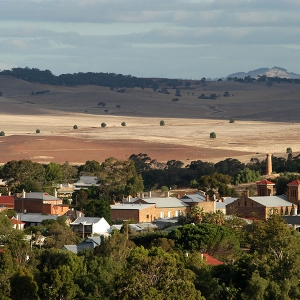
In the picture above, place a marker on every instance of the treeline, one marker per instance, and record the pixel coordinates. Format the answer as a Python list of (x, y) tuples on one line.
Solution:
[(264, 78), (111, 80), (119, 178)]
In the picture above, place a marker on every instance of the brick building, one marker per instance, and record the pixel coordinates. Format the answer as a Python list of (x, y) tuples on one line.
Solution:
[(139, 212), (266, 203), (39, 202)]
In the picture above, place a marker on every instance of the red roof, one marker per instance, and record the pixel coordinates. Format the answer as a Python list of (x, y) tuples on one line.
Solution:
[(294, 182), (265, 182), (212, 261), (17, 221), (7, 201)]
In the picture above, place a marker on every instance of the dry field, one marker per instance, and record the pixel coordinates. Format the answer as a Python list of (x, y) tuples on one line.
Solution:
[(266, 122)]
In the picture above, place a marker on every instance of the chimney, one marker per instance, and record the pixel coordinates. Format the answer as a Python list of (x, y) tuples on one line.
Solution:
[(23, 194), (0, 194), (269, 164), (206, 198), (222, 199), (55, 193), (167, 194), (295, 211), (9, 193), (129, 198), (149, 193)]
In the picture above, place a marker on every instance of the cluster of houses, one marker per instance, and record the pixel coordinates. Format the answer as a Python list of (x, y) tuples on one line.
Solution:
[(147, 211)]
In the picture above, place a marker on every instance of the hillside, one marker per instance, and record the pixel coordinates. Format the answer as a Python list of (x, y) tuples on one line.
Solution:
[(264, 115)]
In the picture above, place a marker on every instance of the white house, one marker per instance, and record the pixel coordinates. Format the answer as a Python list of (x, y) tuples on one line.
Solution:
[(88, 226)]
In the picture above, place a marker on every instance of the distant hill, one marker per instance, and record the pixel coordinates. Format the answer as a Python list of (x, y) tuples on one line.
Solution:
[(273, 72)]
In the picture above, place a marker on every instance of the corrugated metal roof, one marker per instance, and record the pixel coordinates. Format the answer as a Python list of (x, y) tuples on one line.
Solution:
[(193, 198), (86, 220), (40, 195), (166, 202), (35, 218), (272, 201), (131, 206)]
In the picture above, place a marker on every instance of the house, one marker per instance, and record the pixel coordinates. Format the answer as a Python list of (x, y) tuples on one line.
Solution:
[(18, 224), (65, 191), (211, 260), (85, 182), (34, 219), (221, 205), (200, 199), (88, 243), (139, 212), (87, 226), (39, 202), (7, 201)]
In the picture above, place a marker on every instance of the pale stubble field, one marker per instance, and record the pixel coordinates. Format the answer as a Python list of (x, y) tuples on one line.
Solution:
[(185, 135)]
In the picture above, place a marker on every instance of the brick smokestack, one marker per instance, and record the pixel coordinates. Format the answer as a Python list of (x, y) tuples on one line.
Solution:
[(269, 164), (206, 198)]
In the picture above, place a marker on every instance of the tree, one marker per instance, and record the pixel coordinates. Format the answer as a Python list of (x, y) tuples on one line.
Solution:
[(212, 135), (38, 131), (2, 133), (103, 125), (23, 285), (123, 124), (232, 120), (118, 106), (103, 104), (75, 127), (99, 208), (159, 275), (162, 123), (53, 173)]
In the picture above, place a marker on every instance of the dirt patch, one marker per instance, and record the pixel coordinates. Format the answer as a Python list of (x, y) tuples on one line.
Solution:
[(77, 151)]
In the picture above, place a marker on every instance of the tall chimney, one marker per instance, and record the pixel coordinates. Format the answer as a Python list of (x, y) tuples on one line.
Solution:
[(206, 198), (23, 194), (55, 193), (269, 164)]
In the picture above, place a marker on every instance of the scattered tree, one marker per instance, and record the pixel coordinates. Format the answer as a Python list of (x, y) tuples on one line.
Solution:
[(38, 131), (162, 123), (123, 124), (118, 106), (232, 120), (75, 127), (103, 104), (212, 135), (103, 125), (2, 133)]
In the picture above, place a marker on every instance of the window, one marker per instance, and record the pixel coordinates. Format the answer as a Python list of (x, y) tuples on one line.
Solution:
[(162, 215), (147, 216), (169, 214)]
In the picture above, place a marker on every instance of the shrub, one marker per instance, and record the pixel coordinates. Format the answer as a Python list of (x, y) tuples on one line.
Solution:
[(75, 127), (2, 133), (37, 131), (118, 106), (103, 125), (123, 124), (162, 123), (212, 135), (232, 120), (103, 104)]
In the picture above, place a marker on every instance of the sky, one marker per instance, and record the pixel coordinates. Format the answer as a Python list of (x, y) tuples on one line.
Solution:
[(187, 39)]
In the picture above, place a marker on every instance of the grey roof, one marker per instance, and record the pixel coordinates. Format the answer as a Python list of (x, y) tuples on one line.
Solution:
[(138, 206), (220, 205), (35, 218), (86, 220), (166, 202), (87, 180), (294, 220), (197, 197), (272, 201), (88, 243), (228, 200), (40, 195)]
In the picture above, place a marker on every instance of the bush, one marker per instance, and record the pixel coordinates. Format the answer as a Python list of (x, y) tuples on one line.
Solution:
[(103, 104), (2, 133), (75, 127), (37, 131), (123, 124), (103, 125), (212, 135), (162, 123), (232, 120)]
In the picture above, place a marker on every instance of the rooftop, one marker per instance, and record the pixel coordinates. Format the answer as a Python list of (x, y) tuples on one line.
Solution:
[(130, 206), (165, 202)]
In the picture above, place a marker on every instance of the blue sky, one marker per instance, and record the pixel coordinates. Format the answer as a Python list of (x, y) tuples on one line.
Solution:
[(150, 38)]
